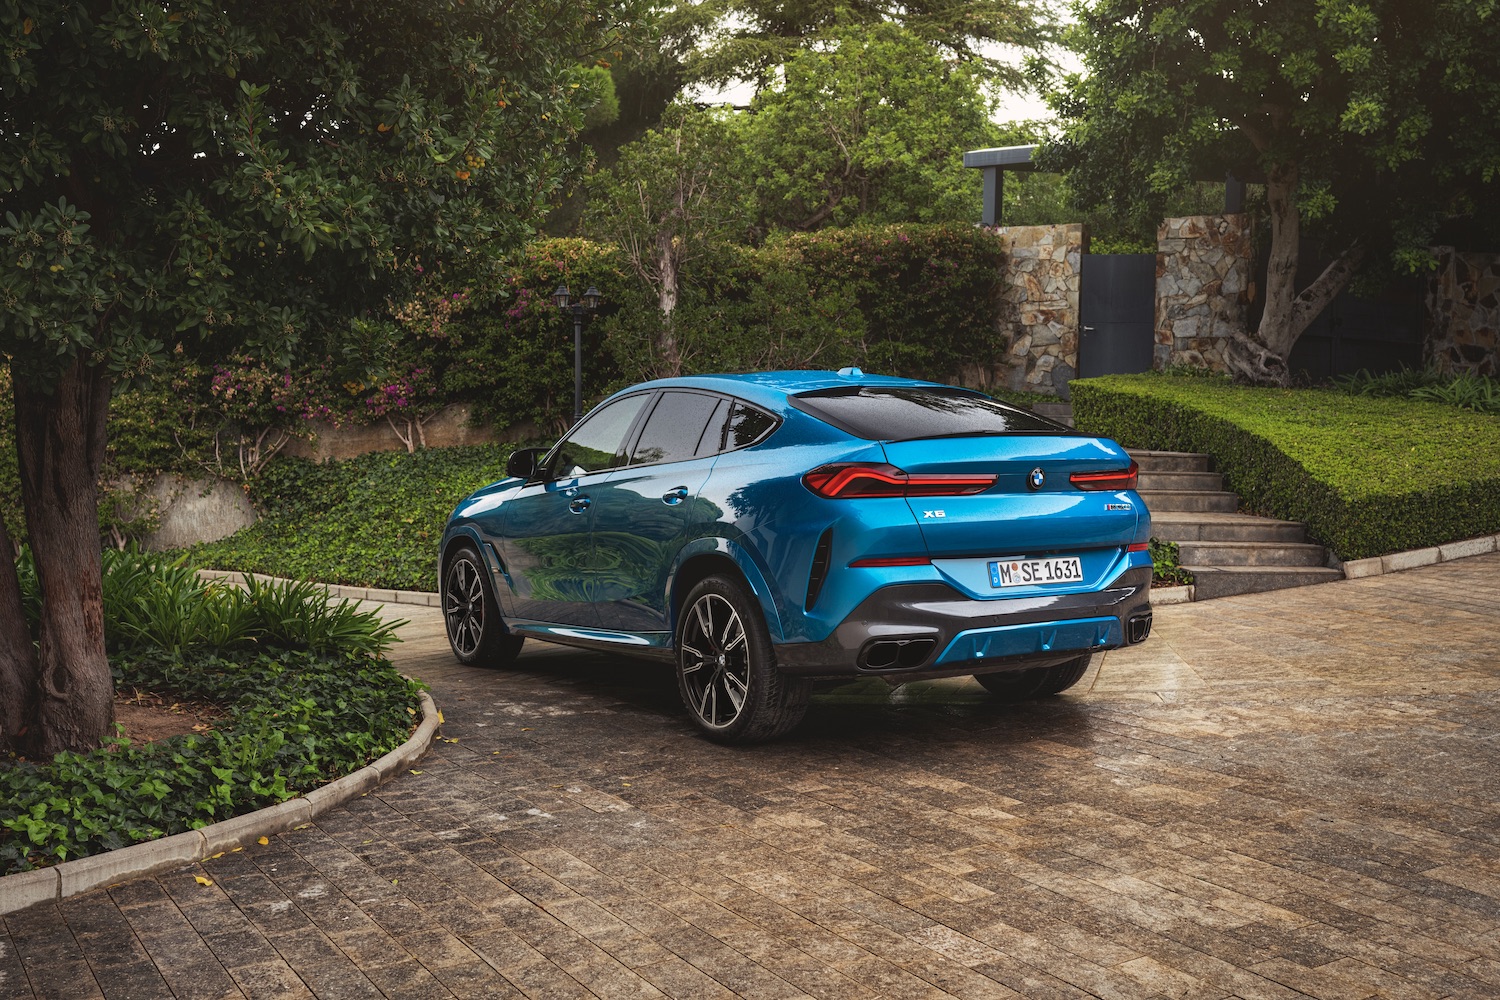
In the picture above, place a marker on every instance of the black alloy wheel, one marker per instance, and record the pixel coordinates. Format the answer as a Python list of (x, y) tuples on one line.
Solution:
[(725, 671), (472, 618), (1035, 682)]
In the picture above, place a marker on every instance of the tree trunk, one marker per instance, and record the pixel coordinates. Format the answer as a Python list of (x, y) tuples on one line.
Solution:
[(60, 443), (666, 343), (1288, 313), (18, 669)]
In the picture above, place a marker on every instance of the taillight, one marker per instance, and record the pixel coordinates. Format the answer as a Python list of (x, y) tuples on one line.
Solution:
[(1115, 479), (847, 482), (871, 561)]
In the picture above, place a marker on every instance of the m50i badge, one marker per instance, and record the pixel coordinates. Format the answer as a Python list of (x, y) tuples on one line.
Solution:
[(1118, 506)]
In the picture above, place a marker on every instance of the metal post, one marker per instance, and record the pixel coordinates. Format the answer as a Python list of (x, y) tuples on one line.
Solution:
[(577, 363)]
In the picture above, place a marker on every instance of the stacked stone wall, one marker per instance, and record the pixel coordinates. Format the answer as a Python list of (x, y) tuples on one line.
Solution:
[(1037, 320), (1462, 328), (1204, 286)]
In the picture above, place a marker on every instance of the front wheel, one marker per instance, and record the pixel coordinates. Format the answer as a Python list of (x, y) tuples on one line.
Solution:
[(1035, 682), (472, 617), (725, 672)]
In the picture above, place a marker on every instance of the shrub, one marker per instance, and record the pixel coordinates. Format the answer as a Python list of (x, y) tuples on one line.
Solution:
[(309, 696), (1367, 475)]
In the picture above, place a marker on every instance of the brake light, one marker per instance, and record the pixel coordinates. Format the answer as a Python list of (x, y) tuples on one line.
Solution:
[(1115, 479), (846, 482)]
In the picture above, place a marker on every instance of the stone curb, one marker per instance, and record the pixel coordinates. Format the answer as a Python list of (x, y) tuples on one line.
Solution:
[(1412, 558), (421, 598), (72, 877)]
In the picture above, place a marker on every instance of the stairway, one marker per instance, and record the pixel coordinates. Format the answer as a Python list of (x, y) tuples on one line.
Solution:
[(1227, 552)]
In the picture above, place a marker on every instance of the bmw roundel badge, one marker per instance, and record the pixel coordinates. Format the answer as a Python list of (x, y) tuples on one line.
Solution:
[(1036, 479)]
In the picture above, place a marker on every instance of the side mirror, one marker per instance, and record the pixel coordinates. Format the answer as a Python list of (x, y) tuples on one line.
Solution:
[(522, 463)]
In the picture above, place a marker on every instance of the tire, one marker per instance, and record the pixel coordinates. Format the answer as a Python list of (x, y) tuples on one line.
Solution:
[(470, 615), (725, 671), (1035, 682)]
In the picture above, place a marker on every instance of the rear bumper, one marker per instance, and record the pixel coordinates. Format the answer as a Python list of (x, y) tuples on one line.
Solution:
[(924, 630)]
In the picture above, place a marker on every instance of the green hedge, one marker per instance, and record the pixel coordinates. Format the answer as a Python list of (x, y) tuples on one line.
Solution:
[(371, 521), (1368, 476)]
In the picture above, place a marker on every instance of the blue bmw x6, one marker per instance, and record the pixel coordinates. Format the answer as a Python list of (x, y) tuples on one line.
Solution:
[(761, 531)]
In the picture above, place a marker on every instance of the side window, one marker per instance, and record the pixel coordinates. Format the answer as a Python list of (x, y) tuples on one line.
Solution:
[(674, 428), (712, 440), (747, 425), (596, 443)]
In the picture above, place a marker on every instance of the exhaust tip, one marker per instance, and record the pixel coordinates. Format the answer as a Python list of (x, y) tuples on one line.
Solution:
[(1138, 628), (896, 654)]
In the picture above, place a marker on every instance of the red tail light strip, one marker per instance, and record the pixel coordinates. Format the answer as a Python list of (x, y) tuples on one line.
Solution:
[(846, 482), (1138, 547), (891, 561), (1115, 479)]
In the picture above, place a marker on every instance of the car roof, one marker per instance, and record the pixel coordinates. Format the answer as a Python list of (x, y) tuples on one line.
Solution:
[(771, 389)]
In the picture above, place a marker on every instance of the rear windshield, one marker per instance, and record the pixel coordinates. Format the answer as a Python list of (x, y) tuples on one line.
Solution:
[(902, 413)]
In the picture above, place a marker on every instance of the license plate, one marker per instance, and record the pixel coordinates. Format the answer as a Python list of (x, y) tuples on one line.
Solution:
[(1035, 572)]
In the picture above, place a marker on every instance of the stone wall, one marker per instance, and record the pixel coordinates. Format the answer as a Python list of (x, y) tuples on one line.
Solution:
[(444, 429), (1462, 328), (1205, 281), (1037, 321)]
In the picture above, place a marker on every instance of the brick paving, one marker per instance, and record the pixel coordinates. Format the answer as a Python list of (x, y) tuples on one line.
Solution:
[(1280, 795)]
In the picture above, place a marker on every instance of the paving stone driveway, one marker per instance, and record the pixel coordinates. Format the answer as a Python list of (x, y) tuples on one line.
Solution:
[(1279, 795)]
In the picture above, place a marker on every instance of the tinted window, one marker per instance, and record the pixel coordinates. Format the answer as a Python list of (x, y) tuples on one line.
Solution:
[(747, 425), (675, 428), (596, 443), (712, 440), (901, 413)]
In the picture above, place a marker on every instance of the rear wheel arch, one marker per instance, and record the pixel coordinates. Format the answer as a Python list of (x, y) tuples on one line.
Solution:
[(699, 566)]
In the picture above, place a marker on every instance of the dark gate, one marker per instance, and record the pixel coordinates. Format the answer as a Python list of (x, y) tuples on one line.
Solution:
[(1116, 313)]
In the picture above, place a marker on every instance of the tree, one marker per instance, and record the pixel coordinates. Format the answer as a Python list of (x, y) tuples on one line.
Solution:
[(749, 39), (232, 175), (673, 193), (1370, 121), (869, 128)]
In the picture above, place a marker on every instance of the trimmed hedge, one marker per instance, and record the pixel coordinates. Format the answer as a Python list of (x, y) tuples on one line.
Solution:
[(1368, 476)]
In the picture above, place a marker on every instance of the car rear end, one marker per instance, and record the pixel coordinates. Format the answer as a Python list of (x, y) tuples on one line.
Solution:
[(966, 537)]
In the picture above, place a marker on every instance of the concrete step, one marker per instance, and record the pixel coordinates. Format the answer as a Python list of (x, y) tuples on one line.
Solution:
[(1263, 554), (1226, 581), (1207, 482), (1189, 500), (1212, 526), (1170, 461), (1061, 412)]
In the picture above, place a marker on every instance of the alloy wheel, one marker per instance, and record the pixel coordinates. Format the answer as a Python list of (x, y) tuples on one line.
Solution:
[(463, 606), (714, 661)]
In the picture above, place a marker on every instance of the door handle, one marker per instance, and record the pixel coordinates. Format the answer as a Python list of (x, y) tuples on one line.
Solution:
[(580, 505), (674, 497)]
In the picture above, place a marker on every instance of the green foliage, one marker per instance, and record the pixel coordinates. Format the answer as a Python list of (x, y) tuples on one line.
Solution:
[(297, 719), (1166, 568), (1466, 390), (867, 128), (307, 173), (904, 300), (371, 521), (1379, 123), (307, 693), (748, 39), (1369, 476), (154, 601)]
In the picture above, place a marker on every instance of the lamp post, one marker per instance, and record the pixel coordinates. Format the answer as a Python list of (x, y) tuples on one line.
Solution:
[(587, 304)]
